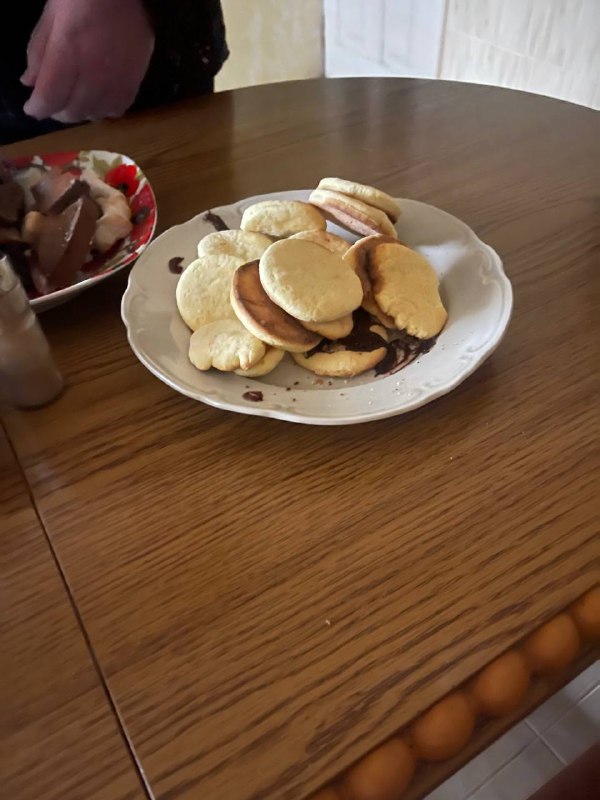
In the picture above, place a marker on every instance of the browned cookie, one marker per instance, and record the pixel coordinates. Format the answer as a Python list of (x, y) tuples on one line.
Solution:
[(358, 257), (406, 288), (262, 317)]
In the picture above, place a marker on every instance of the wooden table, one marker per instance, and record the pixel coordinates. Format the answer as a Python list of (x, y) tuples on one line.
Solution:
[(58, 734), (265, 602)]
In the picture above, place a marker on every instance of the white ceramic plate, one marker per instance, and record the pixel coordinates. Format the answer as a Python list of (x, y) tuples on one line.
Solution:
[(475, 290)]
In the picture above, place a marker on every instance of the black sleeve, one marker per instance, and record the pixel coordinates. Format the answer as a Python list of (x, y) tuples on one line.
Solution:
[(190, 49)]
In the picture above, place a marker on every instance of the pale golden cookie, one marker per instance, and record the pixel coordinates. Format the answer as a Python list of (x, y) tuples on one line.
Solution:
[(352, 214), (336, 329), (226, 345), (309, 282), (368, 194), (343, 364), (267, 364), (406, 287), (241, 244), (203, 290), (357, 258), (331, 241), (264, 318), (371, 306), (282, 218), (362, 350)]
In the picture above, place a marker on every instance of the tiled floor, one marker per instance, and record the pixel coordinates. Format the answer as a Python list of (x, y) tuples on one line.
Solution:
[(533, 751)]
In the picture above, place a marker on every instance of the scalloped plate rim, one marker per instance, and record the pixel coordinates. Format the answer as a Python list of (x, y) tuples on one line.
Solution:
[(295, 414)]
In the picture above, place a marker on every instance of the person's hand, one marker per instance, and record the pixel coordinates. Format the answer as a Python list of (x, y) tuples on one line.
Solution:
[(86, 59)]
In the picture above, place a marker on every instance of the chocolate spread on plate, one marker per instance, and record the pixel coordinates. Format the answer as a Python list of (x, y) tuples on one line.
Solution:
[(400, 351), (255, 397), (361, 340), (216, 221), (402, 348), (176, 265)]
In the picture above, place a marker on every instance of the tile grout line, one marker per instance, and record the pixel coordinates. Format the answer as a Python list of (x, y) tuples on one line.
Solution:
[(543, 779), (544, 741), (587, 694), (497, 769)]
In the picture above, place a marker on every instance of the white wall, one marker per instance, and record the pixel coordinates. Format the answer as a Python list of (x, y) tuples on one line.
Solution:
[(272, 40), (545, 46), (383, 37)]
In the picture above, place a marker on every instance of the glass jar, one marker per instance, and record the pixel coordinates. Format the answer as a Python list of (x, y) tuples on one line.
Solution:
[(28, 375)]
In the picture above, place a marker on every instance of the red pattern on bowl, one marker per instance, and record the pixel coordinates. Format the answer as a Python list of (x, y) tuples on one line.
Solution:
[(119, 171)]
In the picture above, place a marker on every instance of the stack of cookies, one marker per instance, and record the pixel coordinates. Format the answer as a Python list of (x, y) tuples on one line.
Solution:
[(284, 284)]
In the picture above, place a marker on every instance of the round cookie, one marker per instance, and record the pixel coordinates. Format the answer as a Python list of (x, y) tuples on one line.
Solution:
[(226, 345), (264, 318), (406, 287), (339, 365), (336, 329), (354, 215), (309, 282), (358, 257), (282, 218), (372, 308), (241, 244), (362, 350), (368, 194), (203, 290), (330, 241), (267, 364)]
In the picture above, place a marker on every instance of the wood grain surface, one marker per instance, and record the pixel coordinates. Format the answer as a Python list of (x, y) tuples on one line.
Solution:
[(59, 739), (269, 601)]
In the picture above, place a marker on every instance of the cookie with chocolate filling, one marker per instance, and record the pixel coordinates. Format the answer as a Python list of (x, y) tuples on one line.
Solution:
[(362, 350)]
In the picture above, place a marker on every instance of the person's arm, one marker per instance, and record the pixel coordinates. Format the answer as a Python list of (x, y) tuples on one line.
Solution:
[(87, 58)]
